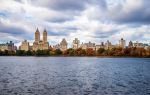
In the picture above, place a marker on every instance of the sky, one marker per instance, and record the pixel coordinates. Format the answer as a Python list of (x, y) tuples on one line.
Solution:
[(87, 20)]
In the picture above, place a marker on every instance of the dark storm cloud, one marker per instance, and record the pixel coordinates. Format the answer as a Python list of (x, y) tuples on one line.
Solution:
[(62, 32), (14, 31), (70, 8), (11, 30), (72, 28), (58, 33), (60, 19), (105, 34), (64, 17), (68, 5), (102, 4), (61, 4), (137, 15), (18, 1)]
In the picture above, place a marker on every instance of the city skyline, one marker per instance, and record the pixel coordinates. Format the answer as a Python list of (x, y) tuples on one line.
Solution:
[(42, 47), (96, 21), (41, 38), (41, 43)]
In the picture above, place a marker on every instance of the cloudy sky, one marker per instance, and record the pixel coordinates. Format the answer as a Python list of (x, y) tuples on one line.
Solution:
[(87, 20)]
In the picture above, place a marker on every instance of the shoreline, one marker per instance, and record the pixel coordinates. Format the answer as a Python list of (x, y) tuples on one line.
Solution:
[(86, 56)]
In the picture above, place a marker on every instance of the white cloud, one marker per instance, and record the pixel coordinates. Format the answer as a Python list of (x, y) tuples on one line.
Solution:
[(93, 21)]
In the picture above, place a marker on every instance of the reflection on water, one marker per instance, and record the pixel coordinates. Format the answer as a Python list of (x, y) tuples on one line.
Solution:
[(74, 76)]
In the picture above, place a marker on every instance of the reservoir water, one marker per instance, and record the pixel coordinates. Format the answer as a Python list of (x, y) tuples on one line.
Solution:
[(74, 76)]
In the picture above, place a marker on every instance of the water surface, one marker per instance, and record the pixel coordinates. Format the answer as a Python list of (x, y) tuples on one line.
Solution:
[(74, 76)]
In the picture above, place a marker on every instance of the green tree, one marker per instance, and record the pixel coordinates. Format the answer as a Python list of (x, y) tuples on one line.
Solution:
[(42, 53), (70, 52), (29, 53), (20, 53), (100, 51), (58, 52)]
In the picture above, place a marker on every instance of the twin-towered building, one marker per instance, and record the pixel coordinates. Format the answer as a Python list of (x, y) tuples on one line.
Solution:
[(39, 44), (43, 44)]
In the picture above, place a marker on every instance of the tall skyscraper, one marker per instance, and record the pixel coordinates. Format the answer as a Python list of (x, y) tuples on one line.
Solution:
[(37, 35), (45, 36), (122, 43)]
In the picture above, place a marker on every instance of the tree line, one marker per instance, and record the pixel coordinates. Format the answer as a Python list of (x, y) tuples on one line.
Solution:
[(118, 52)]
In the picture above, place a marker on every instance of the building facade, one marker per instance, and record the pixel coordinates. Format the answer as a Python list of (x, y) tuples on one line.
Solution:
[(56, 46), (108, 45), (24, 46), (139, 45), (122, 43), (75, 43), (63, 45), (8, 46), (130, 44), (88, 45), (100, 46), (40, 44)]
